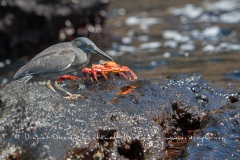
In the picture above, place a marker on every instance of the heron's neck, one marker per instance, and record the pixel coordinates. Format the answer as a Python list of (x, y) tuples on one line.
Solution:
[(88, 57)]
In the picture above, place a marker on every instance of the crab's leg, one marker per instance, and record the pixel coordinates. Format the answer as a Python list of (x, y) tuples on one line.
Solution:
[(125, 75), (62, 78), (103, 73), (94, 73), (96, 70), (126, 69), (84, 71)]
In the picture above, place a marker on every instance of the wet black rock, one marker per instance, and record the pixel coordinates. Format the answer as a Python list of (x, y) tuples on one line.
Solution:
[(36, 123), (220, 138), (29, 26)]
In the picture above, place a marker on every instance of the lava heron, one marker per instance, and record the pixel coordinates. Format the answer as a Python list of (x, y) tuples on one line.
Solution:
[(58, 60)]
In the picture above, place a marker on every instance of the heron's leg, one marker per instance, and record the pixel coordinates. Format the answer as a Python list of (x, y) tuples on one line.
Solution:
[(70, 95), (50, 86), (61, 89)]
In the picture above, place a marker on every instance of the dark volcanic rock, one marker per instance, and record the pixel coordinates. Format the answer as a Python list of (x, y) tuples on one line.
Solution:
[(36, 123), (29, 26), (220, 137)]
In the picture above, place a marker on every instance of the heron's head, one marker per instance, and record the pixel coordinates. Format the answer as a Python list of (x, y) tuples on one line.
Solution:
[(89, 47)]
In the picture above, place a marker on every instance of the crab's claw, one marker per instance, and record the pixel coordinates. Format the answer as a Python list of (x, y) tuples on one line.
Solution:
[(126, 69)]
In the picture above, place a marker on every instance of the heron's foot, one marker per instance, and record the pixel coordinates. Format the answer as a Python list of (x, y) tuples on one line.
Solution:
[(70, 95), (74, 96), (109, 67)]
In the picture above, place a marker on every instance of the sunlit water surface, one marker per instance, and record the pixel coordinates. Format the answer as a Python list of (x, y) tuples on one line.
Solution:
[(159, 38)]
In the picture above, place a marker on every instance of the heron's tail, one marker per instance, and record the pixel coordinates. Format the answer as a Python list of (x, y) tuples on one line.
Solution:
[(25, 79), (22, 76)]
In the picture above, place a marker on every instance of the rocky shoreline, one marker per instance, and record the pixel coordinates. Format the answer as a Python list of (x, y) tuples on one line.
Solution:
[(155, 120)]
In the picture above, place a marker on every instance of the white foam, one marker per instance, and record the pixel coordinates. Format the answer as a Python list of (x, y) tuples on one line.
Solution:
[(189, 10), (223, 5), (232, 17), (175, 35), (209, 48), (212, 32), (150, 45), (134, 20), (187, 47), (170, 44), (166, 55)]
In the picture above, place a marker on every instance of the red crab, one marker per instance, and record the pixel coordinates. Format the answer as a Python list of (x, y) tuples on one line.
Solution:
[(103, 69), (108, 67)]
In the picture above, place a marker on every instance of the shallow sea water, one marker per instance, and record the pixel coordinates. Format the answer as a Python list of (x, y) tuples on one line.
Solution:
[(159, 38)]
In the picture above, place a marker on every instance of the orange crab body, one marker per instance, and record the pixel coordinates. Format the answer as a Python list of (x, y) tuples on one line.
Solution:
[(108, 67)]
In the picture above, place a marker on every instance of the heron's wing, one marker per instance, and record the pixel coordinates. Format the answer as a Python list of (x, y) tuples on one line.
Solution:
[(51, 63), (57, 48)]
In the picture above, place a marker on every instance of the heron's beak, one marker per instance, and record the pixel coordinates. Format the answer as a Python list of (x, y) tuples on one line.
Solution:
[(101, 53)]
